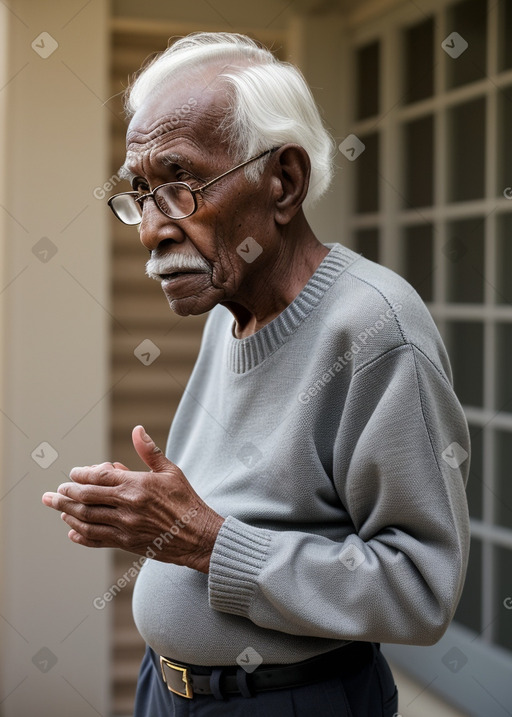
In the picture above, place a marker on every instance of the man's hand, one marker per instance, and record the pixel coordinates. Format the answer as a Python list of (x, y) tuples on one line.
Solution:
[(109, 506)]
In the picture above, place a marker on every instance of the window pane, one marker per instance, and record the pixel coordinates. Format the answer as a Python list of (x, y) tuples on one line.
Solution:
[(466, 151), (504, 260), (367, 243), (505, 35), (465, 261), (469, 610), (465, 344), (367, 73), (419, 162), (474, 484), (505, 140), (503, 502), (469, 20), (367, 178), (418, 259), (504, 375), (503, 567), (419, 61)]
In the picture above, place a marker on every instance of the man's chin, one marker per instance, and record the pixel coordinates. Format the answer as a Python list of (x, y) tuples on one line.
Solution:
[(186, 296), (191, 305), (181, 310)]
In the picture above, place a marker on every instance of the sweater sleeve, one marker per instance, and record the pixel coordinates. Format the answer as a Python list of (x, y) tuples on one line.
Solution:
[(400, 465)]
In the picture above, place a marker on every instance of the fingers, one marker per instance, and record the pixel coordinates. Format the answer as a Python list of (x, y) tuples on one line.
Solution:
[(89, 494), (149, 451), (106, 474), (80, 540), (89, 535), (92, 485), (50, 499), (103, 514)]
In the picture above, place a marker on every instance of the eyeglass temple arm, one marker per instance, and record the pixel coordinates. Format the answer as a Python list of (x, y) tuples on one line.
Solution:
[(253, 159)]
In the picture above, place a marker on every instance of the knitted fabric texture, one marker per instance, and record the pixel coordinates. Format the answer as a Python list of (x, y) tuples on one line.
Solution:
[(332, 442)]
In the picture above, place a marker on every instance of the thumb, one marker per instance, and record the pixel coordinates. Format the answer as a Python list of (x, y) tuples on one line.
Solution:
[(149, 451)]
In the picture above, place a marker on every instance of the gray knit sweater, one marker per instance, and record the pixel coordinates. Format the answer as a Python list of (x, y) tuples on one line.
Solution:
[(334, 445)]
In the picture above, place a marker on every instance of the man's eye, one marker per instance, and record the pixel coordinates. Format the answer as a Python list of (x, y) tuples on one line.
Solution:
[(184, 176), (140, 187)]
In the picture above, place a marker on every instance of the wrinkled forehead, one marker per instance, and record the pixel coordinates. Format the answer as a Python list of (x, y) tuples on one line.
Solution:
[(190, 106)]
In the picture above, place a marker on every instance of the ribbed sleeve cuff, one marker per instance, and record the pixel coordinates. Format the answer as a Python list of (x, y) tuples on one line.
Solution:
[(238, 555)]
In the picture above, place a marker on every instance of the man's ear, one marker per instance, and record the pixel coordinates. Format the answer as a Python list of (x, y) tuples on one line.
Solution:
[(292, 169)]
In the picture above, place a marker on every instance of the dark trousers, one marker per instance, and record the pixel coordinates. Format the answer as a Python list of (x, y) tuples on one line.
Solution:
[(370, 692)]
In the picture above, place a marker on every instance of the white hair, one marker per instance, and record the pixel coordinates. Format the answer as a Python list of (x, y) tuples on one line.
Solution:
[(270, 103)]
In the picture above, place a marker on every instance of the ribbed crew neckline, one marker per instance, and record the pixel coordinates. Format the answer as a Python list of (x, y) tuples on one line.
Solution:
[(244, 354)]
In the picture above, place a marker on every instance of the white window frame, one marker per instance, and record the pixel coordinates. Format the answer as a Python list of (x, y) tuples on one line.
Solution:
[(482, 686)]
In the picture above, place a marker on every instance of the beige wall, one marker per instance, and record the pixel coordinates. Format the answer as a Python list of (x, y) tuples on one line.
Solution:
[(54, 323), (317, 46), (3, 273), (53, 351)]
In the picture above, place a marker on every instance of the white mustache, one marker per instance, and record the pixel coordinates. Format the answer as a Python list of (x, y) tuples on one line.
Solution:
[(169, 264)]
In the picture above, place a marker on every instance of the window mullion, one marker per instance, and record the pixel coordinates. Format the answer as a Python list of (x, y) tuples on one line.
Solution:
[(441, 158), (391, 164)]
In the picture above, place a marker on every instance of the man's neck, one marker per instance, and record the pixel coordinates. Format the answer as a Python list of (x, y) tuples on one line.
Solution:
[(276, 287)]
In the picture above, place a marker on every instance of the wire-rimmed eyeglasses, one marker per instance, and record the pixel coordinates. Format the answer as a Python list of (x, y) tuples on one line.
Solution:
[(174, 199)]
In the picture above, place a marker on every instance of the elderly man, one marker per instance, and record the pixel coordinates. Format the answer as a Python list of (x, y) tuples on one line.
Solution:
[(311, 503)]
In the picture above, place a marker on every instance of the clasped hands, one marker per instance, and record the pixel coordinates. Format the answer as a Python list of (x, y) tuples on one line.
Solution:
[(109, 506)]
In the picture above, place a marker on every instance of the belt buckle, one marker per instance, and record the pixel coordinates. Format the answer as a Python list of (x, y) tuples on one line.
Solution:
[(177, 675)]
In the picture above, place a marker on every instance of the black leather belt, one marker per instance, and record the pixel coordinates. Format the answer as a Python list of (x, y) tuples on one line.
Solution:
[(188, 680)]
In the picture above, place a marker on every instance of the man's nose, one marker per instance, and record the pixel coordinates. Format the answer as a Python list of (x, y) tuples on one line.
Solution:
[(156, 227)]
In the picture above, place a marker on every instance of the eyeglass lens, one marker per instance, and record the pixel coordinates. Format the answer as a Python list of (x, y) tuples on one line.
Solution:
[(174, 200)]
